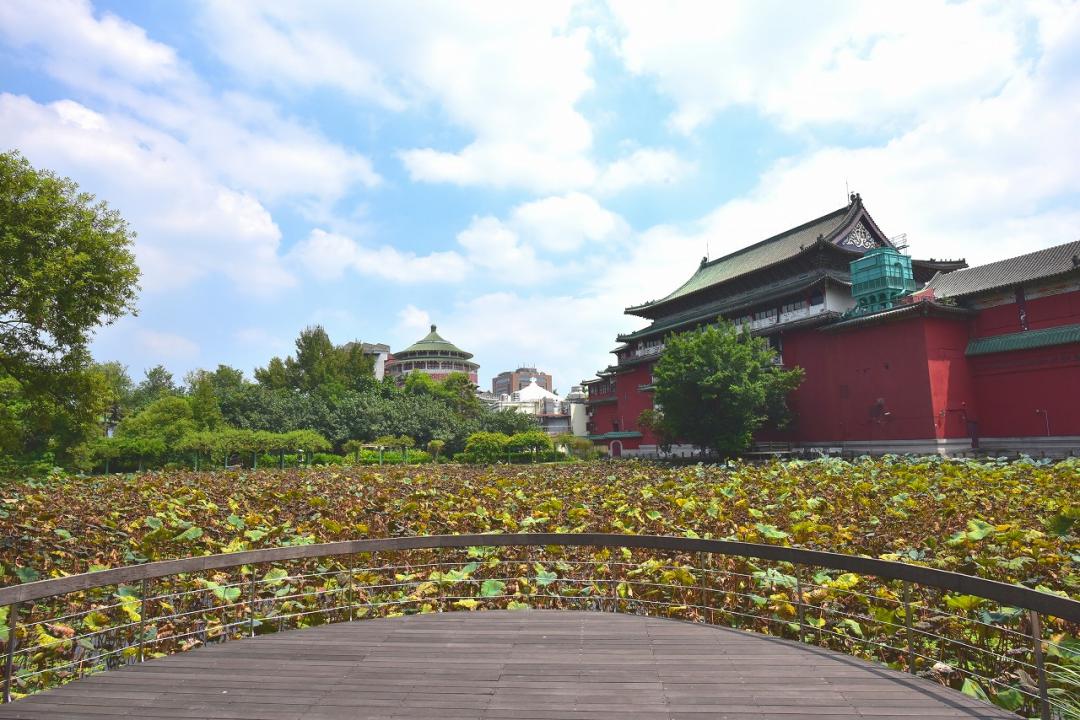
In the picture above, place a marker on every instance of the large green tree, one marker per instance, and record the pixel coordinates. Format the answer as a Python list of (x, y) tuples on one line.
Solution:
[(66, 267), (319, 366), (717, 386)]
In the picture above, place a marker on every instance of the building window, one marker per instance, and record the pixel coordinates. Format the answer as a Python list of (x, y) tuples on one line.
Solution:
[(765, 314), (793, 306), (817, 297)]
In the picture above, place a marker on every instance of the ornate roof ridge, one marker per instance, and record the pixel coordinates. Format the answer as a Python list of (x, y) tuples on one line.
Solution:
[(834, 224), (433, 342)]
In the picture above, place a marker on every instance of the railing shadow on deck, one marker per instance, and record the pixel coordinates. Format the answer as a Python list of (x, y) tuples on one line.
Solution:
[(992, 637)]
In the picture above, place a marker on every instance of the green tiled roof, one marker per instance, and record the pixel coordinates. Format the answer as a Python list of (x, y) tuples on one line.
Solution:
[(713, 310), (433, 343), (1061, 335), (767, 252), (1004, 273), (622, 435)]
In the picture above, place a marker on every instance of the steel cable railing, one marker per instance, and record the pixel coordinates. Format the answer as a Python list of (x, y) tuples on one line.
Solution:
[(62, 628)]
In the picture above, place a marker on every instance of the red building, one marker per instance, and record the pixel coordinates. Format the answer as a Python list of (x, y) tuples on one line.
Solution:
[(962, 358)]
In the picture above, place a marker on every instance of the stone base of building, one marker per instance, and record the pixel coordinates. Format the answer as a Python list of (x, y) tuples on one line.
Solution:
[(1038, 447), (1049, 446)]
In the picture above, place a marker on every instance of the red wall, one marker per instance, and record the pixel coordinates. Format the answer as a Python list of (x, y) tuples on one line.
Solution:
[(918, 367), (952, 393), (601, 416), (848, 371), (632, 402), (1063, 309), (1012, 386)]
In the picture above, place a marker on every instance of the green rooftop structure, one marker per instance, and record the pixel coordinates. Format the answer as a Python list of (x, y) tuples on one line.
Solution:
[(433, 355), (880, 278)]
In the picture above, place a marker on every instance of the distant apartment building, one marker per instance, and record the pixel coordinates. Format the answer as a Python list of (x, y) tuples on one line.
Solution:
[(379, 354), (511, 381), (551, 411)]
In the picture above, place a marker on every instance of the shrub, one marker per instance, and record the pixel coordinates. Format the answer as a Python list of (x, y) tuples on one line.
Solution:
[(486, 447)]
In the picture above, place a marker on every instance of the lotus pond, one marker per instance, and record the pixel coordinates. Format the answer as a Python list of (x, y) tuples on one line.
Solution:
[(1016, 522)]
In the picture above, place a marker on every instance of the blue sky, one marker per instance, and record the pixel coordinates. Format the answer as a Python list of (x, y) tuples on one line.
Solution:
[(519, 173)]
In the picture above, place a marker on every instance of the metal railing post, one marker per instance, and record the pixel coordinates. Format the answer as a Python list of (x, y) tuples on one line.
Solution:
[(1040, 667), (142, 618), (907, 629), (9, 660), (614, 593), (351, 593), (799, 606), (703, 561), (251, 603)]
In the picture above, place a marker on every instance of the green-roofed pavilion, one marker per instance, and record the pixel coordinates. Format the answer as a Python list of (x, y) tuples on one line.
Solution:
[(434, 355)]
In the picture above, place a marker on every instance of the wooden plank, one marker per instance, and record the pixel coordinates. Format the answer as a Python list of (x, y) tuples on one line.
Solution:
[(499, 665)]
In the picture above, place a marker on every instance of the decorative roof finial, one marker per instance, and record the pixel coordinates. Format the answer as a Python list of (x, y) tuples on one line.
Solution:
[(433, 328)]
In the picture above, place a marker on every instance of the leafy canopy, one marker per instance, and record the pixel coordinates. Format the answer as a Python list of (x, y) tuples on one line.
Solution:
[(66, 267), (718, 385)]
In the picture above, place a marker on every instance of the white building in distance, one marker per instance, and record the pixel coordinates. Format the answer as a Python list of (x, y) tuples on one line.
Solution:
[(552, 411)]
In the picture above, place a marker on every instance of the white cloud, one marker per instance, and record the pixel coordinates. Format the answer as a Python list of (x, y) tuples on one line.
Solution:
[(646, 166), (82, 48), (562, 334), (328, 255), (850, 62), (245, 142), (290, 51), (169, 347), (565, 223), (510, 75), (491, 245), (188, 225), (501, 164), (413, 321)]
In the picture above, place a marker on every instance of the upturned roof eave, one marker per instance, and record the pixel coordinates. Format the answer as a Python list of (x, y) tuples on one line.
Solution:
[(922, 308), (824, 277), (428, 354), (852, 214)]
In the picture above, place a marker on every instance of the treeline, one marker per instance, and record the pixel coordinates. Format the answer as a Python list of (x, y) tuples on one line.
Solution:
[(318, 400)]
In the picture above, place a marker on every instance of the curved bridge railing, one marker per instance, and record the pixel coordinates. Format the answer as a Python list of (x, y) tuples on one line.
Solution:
[(1005, 643)]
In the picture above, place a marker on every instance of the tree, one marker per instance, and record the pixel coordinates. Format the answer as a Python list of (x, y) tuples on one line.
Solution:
[(226, 380), (273, 376), (307, 441), (319, 366), (579, 447), (42, 423), (353, 447), (121, 390), (716, 386), (163, 423), (435, 447), (199, 443), (460, 393), (653, 420), (404, 442), (508, 421), (66, 267), (156, 383), (205, 408), (487, 447), (529, 441)]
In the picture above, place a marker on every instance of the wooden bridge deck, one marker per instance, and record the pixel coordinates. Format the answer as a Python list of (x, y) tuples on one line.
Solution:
[(531, 664)]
